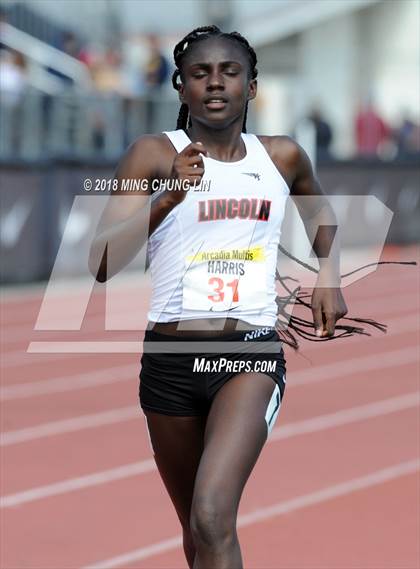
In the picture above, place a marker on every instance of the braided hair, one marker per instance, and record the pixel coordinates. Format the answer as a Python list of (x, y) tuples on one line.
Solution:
[(287, 324), (183, 47)]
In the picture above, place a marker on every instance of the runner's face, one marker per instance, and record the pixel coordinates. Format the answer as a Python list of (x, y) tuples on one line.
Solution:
[(216, 83)]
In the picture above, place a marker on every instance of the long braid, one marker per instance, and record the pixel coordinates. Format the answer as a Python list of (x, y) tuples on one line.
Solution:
[(245, 117), (200, 34), (304, 328), (182, 117)]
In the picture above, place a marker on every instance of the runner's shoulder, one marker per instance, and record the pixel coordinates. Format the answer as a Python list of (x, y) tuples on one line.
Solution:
[(282, 148), (147, 155), (151, 146), (284, 152)]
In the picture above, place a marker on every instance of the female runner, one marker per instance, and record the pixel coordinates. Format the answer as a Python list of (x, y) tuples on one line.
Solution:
[(211, 405)]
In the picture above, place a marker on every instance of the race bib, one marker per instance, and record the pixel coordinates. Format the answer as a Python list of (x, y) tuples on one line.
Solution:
[(224, 280)]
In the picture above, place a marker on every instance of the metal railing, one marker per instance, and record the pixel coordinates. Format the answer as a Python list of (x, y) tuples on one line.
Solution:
[(44, 56), (29, 19), (75, 125), (80, 125)]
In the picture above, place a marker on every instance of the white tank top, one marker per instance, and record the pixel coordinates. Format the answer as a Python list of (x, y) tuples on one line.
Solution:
[(215, 254)]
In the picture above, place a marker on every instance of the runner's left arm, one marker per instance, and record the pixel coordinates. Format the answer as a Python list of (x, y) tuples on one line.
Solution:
[(321, 226)]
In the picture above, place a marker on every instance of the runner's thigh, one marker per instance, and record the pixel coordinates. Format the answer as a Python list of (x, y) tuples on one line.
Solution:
[(177, 443), (235, 433)]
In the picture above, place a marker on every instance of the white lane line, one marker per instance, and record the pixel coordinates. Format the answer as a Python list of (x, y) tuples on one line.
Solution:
[(72, 382), (21, 358), (320, 423), (331, 492), (313, 375), (15, 332), (279, 509), (353, 366), (79, 483), (128, 373), (346, 416), (70, 425), (85, 347), (139, 554)]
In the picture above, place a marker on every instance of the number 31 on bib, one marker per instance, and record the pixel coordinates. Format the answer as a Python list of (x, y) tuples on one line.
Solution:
[(218, 292)]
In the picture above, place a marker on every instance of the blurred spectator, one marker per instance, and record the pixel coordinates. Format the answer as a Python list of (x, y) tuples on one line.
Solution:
[(407, 138), (155, 74), (109, 76), (371, 131), (110, 79), (13, 85), (323, 134), (87, 55), (69, 44), (13, 79), (157, 67)]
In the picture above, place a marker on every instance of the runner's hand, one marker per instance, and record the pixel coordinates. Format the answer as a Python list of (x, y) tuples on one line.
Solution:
[(328, 306), (188, 165)]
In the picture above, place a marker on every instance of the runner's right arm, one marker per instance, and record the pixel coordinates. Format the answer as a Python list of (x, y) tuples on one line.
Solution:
[(130, 217)]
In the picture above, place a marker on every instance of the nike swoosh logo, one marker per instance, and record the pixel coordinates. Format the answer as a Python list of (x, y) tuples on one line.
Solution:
[(253, 174), (227, 309)]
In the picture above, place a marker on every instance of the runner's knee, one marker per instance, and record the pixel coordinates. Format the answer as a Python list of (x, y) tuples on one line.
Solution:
[(212, 522)]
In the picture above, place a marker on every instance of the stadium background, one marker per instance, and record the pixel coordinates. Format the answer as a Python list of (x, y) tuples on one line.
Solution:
[(80, 81)]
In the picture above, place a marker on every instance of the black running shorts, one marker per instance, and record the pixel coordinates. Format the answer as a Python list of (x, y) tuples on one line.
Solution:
[(180, 375)]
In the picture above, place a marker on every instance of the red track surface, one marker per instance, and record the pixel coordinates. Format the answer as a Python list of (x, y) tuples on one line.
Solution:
[(336, 487)]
